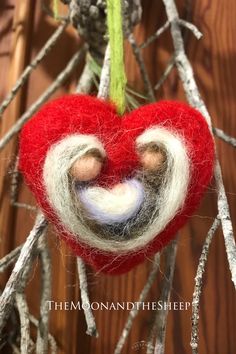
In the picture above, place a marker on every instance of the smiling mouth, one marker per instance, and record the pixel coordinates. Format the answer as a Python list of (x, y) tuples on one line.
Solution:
[(119, 213), (115, 205), (122, 211)]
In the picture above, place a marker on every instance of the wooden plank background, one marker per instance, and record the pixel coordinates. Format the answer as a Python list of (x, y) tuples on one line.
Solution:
[(23, 30)]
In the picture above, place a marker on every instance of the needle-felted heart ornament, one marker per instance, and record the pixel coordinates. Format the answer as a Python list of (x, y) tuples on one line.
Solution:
[(116, 188)]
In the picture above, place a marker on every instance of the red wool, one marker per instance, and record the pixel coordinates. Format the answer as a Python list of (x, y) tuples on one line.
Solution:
[(89, 115)]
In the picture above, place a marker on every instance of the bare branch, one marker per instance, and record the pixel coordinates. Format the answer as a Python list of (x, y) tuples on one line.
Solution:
[(133, 313), (198, 285), (15, 174), (158, 331), (85, 81), (194, 98), (9, 259), (24, 322), (223, 209), (26, 206), (51, 339), (42, 334), (62, 77), (14, 181), (91, 325), (155, 35), (15, 349), (104, 85), (191, 27), (225, 137), (84, 86), (161, 30), (43, 52), (14, 282), (141, 64), (166, 73)]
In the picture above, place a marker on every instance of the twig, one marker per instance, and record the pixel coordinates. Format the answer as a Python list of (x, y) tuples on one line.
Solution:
[(158, 331), (62, 77), (24, 322), (105, 76), (225, 137), (85, 81), (223, 210), (143, 71), (15, 349), (42, 334), (194, 98), (133, 313), (25, 206), (155, 35), (84, 86), (14, 189), (14, 181), (10, 258), (166, 73), (198, 285), (51, 339), (26, 254), (91, 325), (191, 27), (43, 52)]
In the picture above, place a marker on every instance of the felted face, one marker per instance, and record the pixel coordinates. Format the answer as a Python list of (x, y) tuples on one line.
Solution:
[(116, 188)]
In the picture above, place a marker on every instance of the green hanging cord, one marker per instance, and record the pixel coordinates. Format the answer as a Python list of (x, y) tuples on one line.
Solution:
[(117, 69), (55, 9)]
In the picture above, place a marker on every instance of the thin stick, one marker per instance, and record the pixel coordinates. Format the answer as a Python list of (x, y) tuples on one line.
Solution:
[(141, 64), (24, 322), (225, 137), (25, 206), (166, 73), (51, 339), (191, 27), (9, 259), (105, 76), (155, 35), (194, 98), (46, 281), (159, 328), (133, 313), (86, 80), (26, 254), (84, 86), (14, 189), (91, 325), (14, 181), (198, 285), (26, 73), (62, 77), (15, 349)]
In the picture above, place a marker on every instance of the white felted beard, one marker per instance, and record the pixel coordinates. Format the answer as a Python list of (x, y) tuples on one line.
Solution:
[(128, 216)]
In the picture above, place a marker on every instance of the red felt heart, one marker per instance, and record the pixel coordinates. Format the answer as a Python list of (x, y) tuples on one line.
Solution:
[(86, 115)]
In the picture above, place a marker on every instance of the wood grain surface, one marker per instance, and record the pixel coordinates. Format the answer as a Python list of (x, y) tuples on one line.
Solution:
[(23, 30)]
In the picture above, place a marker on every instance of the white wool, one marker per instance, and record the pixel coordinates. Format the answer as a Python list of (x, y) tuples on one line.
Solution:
[(169, 200), (117, 204), (177, 176)]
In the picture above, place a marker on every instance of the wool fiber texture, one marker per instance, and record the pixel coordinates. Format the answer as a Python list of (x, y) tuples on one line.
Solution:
[(128, 212)]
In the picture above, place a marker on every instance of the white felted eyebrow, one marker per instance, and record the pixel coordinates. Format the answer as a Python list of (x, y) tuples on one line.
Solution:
[(170, 198)]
